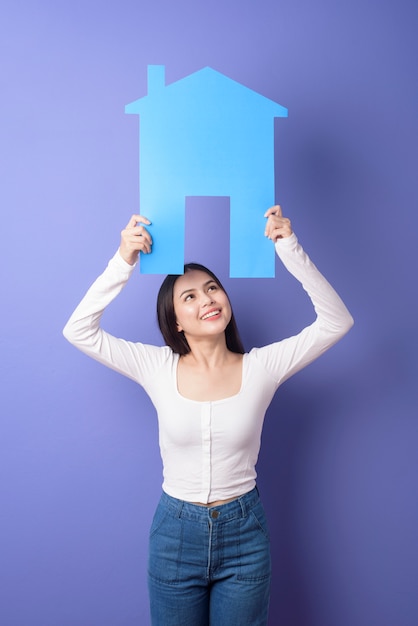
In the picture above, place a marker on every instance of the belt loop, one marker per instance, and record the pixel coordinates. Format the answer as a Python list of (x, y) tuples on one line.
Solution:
[(179, 509)]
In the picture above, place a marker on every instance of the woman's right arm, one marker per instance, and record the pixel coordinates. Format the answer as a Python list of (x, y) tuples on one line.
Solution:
[(83, 329)]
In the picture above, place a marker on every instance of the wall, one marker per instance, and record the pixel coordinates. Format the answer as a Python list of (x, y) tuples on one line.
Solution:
[(79, 465)]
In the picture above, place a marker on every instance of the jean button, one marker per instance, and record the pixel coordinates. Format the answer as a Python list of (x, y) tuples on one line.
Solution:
[(214, 514)]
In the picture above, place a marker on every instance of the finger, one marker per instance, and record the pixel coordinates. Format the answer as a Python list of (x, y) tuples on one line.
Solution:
[(133, 221), (144, 246), (133, 240), (281, 232), (136, 231), (142, 232), (274, 210), (137, 218), (137, 243), (272, 223), (278, 226), (143, 219)]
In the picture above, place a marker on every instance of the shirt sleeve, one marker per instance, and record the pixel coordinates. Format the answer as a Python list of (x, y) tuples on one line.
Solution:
[(333, 320), (135, 360)]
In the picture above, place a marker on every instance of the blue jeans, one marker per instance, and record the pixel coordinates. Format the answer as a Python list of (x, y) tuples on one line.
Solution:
[(209, 566)]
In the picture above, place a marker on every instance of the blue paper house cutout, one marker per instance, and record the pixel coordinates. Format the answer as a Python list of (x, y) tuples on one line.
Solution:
[(206, 135)]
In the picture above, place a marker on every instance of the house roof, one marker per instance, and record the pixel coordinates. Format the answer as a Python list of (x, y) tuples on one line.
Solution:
[(205, 88)]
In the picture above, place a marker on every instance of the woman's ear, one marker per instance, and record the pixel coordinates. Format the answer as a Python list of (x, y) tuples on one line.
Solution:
[(179, 328)]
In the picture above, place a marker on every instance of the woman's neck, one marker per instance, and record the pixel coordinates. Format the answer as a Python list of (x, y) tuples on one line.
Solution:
[(207, 353)]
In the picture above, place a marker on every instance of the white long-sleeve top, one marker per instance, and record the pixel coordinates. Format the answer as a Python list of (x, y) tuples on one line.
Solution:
[(210, 449)]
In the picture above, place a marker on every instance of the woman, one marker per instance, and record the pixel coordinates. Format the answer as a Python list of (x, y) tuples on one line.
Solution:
[(209, 557)]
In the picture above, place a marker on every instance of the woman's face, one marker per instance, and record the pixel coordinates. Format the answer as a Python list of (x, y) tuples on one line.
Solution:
[(202, 308)]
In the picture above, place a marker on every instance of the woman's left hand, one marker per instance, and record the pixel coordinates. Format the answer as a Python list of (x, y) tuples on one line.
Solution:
[(277, 226)]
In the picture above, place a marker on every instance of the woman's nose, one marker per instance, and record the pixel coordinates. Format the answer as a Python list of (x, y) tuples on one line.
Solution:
[(207, 298)]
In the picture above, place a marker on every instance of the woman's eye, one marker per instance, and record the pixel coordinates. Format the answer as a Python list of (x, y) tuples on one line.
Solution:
[(213, 288)]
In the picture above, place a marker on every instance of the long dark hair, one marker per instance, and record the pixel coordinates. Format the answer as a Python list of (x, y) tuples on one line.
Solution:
[(167, 318)]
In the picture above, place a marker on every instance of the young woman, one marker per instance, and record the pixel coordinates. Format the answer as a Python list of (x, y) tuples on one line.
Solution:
[(209, 557)]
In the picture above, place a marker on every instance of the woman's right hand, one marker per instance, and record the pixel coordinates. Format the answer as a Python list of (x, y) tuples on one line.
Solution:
[(135, 239)]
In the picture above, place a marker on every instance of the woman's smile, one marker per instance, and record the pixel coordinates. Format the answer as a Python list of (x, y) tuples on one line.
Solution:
[(210, 315)]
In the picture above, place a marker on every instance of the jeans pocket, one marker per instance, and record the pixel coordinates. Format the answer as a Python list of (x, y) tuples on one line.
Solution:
[(260, 519), (165, 546), (158, 519), (255, 560)]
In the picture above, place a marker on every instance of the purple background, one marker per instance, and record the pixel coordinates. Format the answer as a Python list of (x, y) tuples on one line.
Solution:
[(79, 463)]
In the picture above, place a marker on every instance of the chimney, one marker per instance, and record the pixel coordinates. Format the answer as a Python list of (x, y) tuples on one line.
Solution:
[(156, 78)]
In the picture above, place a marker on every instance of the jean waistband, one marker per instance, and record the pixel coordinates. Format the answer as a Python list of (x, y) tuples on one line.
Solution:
[(231, 510)]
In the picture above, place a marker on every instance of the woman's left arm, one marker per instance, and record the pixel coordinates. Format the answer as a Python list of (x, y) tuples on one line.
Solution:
[(333, 320)]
